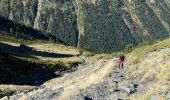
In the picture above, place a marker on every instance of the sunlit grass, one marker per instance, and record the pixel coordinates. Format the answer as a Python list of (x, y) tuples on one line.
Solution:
[(153, 71), (151, 91), (140, 51)]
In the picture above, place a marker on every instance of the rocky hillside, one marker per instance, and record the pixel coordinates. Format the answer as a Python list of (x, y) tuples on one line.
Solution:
[(145, 76), (96, 25)]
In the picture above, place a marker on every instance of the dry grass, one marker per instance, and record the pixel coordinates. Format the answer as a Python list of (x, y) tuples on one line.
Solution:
[(58, 49), (11, 39), (151, 64), (153, 90), (15, 87), (104, 56), (50, 48), (139, 52)]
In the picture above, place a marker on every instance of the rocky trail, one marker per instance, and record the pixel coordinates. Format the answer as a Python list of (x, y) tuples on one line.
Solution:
[(92, 81), (113, 87), (70, 84)]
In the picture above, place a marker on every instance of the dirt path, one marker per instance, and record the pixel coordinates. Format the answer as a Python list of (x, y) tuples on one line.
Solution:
[(114, 86)]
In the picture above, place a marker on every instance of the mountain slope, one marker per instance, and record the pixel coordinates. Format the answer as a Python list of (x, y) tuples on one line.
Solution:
[(150, 66), (95, 25), (24, 67), (145, 76)]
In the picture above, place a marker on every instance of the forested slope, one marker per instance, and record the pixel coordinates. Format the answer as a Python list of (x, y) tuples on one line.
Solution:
[(95, 25)]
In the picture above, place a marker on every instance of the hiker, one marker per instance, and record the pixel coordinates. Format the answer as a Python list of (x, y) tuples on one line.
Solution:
[(121, 60)]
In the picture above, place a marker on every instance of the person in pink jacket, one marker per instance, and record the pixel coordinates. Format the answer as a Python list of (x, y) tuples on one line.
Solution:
[(121, 61)]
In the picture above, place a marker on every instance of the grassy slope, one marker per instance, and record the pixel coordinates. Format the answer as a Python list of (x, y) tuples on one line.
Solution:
[(44, 46), (25, 66), (12, 39), (17, 67), (152, 71), (140, 51)]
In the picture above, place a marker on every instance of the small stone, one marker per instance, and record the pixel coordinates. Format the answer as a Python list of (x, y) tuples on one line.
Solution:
[(4, 98), (124, 89), (155, 97), (168, 95)]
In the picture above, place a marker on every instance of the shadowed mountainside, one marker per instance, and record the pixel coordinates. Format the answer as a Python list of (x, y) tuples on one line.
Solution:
[(21, 31)]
